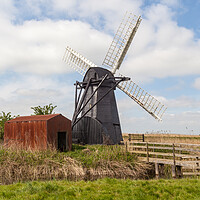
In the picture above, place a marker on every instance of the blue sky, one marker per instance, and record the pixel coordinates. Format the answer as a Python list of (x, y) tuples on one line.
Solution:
[(163, 58)]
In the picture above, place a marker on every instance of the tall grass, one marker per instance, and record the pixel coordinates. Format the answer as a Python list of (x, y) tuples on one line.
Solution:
[(110, 161), (83, 163), (22, 165)]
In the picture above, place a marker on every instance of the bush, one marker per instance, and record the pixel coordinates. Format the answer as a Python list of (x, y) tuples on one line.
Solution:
[(3, 119)]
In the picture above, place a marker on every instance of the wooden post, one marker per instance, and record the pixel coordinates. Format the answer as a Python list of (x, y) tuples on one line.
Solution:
[(157, 170), (142, 137), (126, 147), (162, 170), (147, 152), (129, 137), (174, 162), (197, 163), (179, 173), (174, 156), (173, 171)]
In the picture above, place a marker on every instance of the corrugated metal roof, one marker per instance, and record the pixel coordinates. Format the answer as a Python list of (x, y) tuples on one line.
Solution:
[(33, 118)]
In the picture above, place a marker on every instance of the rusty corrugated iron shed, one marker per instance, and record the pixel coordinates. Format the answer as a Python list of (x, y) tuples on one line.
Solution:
[(38, 131)]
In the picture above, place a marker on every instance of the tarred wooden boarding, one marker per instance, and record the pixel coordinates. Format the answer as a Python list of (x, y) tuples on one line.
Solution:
[(39, 132)]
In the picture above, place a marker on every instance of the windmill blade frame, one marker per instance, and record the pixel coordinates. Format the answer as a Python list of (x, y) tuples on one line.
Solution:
[(77, 61), (121, 41), (141, 97), (113, 60)]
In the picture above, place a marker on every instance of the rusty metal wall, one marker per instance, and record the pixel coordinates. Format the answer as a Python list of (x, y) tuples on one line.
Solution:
[(28, 134), (59, 124)]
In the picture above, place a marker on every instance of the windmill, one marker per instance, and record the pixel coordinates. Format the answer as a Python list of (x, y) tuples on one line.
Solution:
[(96, 119)]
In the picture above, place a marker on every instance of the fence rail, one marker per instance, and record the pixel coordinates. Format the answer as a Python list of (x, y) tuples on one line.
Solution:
[(136, 137), (182, 157)]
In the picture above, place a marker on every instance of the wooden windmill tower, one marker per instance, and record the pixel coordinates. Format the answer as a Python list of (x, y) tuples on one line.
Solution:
[(96, 119)]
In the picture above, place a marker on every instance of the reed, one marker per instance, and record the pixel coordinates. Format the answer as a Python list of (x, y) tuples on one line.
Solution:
[(82, 163)]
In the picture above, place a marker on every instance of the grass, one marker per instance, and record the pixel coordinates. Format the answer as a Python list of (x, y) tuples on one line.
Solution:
[(93, 155), (104, 189), (82, 163)]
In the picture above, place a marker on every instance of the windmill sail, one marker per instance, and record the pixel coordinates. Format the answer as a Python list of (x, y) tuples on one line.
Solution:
[(121, 41), (145, 100), (113, 60), (77, 61)]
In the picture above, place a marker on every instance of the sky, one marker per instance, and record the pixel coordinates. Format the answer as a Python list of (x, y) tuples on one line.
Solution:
[(164, 57)]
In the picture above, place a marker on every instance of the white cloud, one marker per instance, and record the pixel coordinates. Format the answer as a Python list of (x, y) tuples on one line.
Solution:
[(173, 3), (7, 10), (101, 14), (161, 48), (172, 123), (181, 112), (184, 102), (179, 104), (38, 46), (177, 117), (109, 12), (196, 83), (29, 90)]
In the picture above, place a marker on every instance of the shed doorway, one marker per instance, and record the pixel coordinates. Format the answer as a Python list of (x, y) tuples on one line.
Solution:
[(62, 141)]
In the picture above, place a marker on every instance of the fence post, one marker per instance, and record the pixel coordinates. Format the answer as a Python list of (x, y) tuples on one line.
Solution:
[(129, 137), (173, 171), (197, 158), (142, 137), (174, 162), (179, 173), (174, 156), (126, 147), (157, 170), (147, 152)]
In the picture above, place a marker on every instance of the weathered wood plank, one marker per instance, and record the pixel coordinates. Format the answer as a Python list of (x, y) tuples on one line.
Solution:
[(170, 162), (183, 156), (191, 173), (152, 153), (175, 144), (164, 148)]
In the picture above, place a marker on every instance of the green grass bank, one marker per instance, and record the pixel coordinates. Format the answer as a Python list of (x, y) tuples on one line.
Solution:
[(104, 189)]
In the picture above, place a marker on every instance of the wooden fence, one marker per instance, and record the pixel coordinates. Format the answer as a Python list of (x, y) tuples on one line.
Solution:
[(184, 158), (136, 137)]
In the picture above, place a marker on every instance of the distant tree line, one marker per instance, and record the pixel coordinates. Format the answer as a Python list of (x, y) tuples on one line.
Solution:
[(38, 110)]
